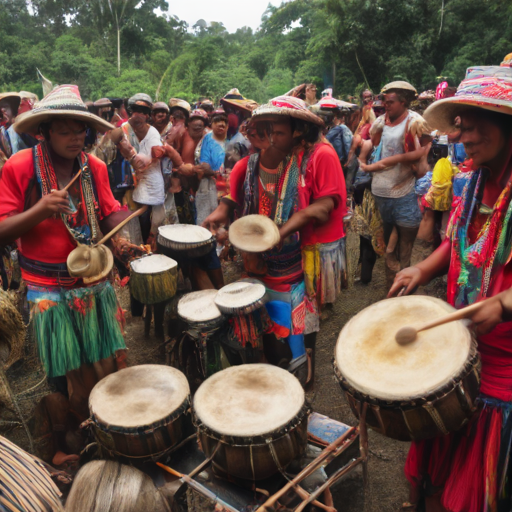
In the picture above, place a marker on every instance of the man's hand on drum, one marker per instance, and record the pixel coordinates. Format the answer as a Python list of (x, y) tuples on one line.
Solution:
[(219, 217), (496, 310), (406, 281)]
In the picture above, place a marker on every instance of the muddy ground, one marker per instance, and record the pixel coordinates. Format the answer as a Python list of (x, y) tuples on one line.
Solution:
[(387, 488)]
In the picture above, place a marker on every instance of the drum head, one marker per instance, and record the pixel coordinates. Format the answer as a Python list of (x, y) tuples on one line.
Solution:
[(185, 233), (152, 264), (254, 233), (138, 396), (199, 306), (248, 400), (369, 358), (238, 296)]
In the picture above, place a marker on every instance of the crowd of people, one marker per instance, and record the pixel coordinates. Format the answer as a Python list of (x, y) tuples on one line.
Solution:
[(422, 179)]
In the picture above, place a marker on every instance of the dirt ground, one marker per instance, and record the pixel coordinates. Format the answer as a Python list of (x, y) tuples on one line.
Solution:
[(387, 488)]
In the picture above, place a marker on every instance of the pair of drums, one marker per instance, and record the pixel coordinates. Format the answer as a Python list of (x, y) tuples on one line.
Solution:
[(410, 392), (256, 413)]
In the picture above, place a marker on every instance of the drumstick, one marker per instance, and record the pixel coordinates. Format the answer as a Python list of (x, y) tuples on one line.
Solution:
[(110, 234), (408, 334), (75, 177)]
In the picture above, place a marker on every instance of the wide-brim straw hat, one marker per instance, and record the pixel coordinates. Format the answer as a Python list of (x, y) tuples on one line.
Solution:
[(63, 102), (13, 98), (286, 106), (486, 87), (234, 99), (254, 233)]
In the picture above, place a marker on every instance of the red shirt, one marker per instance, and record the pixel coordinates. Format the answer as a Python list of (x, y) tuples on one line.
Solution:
[(49, 241), (323, 178)]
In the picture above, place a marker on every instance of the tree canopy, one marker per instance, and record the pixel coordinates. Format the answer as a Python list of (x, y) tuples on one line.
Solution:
[(348, 44)]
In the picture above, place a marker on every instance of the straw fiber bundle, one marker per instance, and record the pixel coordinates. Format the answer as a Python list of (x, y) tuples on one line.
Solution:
[(25, 485), (12, 330), (108, 486)]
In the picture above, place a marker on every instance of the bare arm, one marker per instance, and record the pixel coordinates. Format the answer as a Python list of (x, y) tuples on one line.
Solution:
[(220, 215), (318, 211), (390, 161), (16, 226), (421, 274)]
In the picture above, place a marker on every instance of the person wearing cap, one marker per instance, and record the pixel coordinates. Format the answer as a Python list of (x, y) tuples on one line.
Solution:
[(160, 117), (298, 182), (180, 110), (397, 135), (77, 324), (135, 140), (467, 470)]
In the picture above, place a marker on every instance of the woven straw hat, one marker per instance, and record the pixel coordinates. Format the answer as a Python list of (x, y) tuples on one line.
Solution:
[(63, 101), (254, 233), (13, 98), (286, 106), (90, 263), (487, 87), (234, 99)]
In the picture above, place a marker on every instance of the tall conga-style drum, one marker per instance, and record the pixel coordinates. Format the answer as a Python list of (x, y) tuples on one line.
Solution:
[(257, 415), (153, 278), (139, 412), (410, 392), (243, 302), (204, 325)]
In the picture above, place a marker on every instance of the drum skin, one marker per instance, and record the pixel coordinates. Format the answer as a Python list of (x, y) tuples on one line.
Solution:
[(444, 411), (146, 441), (252, 459)]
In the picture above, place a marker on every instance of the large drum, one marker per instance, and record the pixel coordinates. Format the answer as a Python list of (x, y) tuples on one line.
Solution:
[(184, 241), (417, 391), (139, 412), (258, 414), (153, 279)]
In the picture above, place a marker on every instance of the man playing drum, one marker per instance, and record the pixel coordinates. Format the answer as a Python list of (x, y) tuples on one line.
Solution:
[(77, 326), (297, 181), (468, 470)]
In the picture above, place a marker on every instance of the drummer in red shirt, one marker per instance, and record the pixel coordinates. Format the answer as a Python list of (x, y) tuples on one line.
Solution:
[(296, 174), (77, 326), (469, 470)]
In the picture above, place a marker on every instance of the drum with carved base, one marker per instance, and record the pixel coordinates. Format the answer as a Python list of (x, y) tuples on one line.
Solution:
[(256, 414)]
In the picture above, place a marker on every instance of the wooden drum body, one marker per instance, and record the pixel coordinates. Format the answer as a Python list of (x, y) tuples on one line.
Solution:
[(153, 278), (257, 416), (140, 412), (411, 392)]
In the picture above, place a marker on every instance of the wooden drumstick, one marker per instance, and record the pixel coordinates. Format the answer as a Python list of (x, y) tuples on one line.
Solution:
[(408, 334), (110, 234), (73, 179)]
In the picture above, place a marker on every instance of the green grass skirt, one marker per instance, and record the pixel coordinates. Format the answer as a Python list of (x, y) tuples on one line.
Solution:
[(75, 326)]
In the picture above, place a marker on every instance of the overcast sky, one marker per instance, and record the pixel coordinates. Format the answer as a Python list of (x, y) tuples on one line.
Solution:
[(233, 14)]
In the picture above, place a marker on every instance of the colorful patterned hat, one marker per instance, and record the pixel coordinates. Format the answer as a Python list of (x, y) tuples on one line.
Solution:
[(64, 102), (234, 99), (487, 87), (286, 106)]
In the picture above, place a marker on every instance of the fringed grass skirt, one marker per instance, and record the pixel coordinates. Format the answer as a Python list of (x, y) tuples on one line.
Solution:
[(75, 326)]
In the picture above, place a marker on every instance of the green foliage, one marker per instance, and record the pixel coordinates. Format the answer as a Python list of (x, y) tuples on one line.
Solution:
[(345, 43)]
